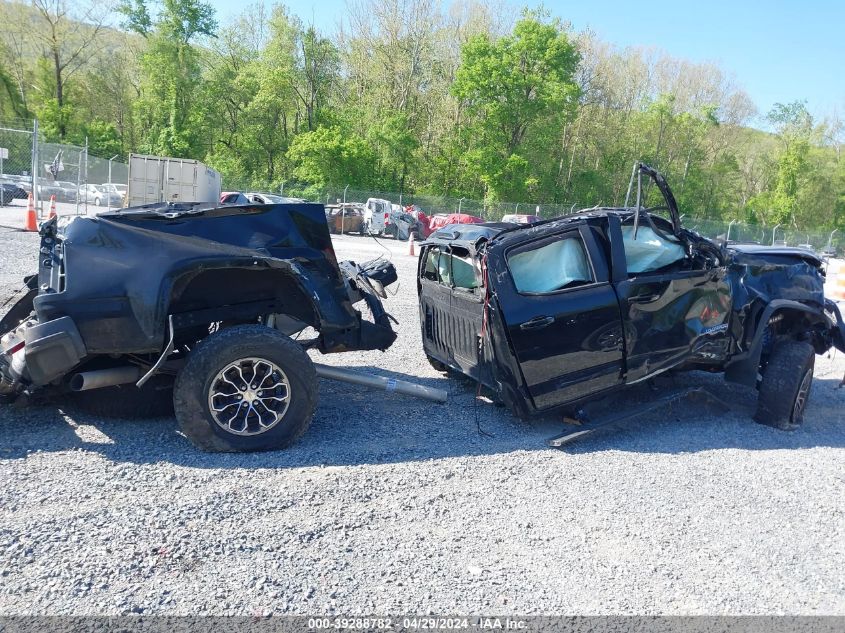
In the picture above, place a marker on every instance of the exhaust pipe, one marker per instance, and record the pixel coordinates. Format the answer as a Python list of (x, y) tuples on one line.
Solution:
[(100, 378), (380, 382)]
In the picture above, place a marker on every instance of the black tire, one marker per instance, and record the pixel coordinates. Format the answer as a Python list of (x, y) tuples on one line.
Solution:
[(786, 384), (237, 344), (128, 402), (437, 365)]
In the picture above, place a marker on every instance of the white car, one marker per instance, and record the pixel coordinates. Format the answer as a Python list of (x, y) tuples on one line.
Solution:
[(114, 188), (271, 198), (93, 194), (377, 215)]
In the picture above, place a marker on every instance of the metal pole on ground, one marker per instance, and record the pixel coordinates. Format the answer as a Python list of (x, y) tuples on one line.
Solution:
[(460, 202)]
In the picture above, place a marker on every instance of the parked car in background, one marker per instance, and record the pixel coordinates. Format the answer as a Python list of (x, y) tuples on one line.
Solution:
[(69, 191), (440, 220), (92, 194), (376, 215), (271, 198), (113, 187), (402, 224), (423, 220), (47, 188), (348, 217), (233, 197), (521, 219), (24, 182), (10, 191)]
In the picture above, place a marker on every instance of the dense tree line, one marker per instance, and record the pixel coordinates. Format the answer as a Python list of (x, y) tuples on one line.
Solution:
[(474, 100)]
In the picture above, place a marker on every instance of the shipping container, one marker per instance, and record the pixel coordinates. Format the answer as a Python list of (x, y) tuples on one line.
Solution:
[(163, 179)]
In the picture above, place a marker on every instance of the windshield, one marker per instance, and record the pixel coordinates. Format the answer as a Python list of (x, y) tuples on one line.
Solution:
[(274, 199)]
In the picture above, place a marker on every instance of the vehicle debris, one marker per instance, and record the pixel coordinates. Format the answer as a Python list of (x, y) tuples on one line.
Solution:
[(205, 296), (391, 385), (554, 314)]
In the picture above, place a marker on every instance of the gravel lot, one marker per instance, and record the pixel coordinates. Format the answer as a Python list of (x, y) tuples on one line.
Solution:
[(394, 505)]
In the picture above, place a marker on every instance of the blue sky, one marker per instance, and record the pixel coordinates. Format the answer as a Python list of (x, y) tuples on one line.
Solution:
[(778, 51)]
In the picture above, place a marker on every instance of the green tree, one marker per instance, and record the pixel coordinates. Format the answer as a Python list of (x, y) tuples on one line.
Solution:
[(509, 85), (332, 156), (170, 73)]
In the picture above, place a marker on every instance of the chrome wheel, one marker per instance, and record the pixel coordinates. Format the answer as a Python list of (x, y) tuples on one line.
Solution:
[(249, 396), (802, 396)]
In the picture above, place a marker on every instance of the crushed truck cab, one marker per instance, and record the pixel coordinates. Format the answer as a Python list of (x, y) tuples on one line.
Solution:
[(553, 314)]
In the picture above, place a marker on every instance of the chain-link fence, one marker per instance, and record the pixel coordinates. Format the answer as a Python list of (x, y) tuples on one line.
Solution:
[(59, 174), (492, 211), (82, 184)]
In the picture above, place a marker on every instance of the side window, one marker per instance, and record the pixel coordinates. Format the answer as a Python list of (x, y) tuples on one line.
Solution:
[(451, 267), (649, 252), (430, 269), (549, 265)]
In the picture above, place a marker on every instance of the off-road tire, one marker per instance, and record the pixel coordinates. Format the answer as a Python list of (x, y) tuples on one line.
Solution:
[(787, 376), (190, 394), (437, 365), (128, 402)]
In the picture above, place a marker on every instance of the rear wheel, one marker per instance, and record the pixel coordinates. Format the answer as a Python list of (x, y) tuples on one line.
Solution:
[(245, 388), (786, 384)]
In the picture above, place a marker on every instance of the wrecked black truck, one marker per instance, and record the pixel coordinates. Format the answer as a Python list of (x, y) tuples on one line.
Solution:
[(555, 314), (197, 300)]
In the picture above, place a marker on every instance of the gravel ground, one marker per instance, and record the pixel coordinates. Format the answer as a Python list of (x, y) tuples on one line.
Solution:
[(394, 505)]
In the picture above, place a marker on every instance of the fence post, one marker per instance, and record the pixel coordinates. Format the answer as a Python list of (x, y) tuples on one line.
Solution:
[(35, 162)]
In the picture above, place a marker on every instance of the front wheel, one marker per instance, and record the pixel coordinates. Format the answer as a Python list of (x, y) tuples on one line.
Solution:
[(245, 388), (786, 384)]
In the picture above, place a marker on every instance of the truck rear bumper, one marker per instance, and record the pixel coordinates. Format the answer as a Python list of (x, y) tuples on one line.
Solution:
[(39, 353)]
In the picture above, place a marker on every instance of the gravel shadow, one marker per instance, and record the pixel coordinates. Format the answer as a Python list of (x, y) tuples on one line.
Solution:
[(355, 426)]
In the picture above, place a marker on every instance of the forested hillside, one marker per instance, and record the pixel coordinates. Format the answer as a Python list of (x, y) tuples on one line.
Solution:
[(476, 100)]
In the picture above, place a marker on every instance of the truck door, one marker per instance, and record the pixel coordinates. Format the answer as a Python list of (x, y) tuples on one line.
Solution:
[(672, 312), (562, 316)]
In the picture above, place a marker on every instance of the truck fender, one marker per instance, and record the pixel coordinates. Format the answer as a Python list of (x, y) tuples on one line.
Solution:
[(743, 367)]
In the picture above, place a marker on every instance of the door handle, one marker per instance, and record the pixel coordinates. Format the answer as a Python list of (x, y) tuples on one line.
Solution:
[(644, 298), (537, 322)]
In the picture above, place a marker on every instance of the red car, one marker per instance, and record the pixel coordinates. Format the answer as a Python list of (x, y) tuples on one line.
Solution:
[(442, 219)]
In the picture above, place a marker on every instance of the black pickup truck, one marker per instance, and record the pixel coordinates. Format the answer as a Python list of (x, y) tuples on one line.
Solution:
[(201, 301), (562, 311)]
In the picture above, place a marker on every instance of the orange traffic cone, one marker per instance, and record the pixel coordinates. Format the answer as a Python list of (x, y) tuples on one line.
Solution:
[(52, 207), (411, 252), (31, 218)]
